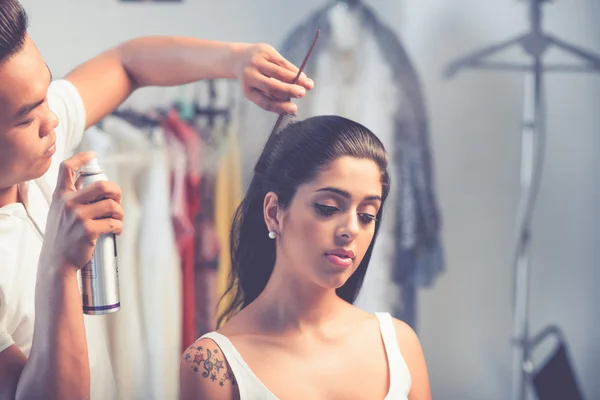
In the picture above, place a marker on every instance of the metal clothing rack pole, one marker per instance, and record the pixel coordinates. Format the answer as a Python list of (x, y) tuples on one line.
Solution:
[(534, 43), (211, 111)]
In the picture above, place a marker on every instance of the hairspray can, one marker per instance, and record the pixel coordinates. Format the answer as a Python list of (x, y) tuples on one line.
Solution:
[(100, 276)]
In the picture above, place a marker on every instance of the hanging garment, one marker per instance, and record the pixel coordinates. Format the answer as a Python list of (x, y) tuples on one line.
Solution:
[(228, 197), (362, 72), (160, 277), (145, 335), (125, 328), (206, 258), (186, 182)]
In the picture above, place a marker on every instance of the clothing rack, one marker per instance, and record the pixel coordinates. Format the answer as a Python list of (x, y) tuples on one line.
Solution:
[(203, 116), (141, 120), (535, 43), (211, 112)]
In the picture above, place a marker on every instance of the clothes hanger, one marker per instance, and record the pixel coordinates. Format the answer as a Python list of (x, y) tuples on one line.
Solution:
[(350, 3)]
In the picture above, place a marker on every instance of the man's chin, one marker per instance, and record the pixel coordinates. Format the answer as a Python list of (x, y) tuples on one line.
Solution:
[(39, 170)]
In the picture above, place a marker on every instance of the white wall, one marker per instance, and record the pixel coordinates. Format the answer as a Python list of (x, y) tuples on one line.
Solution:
[(465, 320)]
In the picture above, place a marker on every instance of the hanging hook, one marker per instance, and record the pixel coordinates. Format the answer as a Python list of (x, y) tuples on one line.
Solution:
[(350, 3)]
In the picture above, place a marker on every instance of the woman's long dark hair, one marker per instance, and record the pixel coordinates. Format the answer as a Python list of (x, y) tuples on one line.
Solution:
[(290, 158)]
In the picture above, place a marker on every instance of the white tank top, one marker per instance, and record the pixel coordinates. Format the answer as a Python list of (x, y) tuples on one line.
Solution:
[(251, 388)]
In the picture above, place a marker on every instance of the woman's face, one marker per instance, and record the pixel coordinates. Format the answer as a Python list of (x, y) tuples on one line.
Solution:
[(328, 226)]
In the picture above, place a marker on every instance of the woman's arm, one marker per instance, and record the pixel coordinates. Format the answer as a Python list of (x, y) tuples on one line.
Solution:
[(410, 347), (205, 374)]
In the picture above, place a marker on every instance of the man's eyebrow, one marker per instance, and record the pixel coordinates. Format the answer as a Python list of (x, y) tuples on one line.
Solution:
[(27, 108)]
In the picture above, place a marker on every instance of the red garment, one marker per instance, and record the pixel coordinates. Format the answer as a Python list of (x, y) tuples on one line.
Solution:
[(190, 137), (185, 233), (207, 259), (199, 244)]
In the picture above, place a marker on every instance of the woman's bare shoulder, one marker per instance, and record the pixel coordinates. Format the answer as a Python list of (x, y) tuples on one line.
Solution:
[(410, 347), (205, 373)]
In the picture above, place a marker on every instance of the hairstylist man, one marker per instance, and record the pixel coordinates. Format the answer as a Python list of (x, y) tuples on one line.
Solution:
[(46, 235)]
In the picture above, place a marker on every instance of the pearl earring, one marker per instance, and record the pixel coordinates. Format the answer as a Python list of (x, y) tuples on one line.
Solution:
[(272, 234)]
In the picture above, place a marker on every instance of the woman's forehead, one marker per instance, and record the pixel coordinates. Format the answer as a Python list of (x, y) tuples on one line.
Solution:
[(358, 177)]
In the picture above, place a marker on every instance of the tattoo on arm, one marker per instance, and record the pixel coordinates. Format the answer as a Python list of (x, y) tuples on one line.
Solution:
[(210, 363)]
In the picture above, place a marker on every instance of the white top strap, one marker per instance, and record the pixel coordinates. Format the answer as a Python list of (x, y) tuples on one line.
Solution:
[(249, 385), (399, 372)]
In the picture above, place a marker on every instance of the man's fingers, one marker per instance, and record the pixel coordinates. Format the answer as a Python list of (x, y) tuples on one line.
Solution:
[(97, 227), (97, 191), (277, 59), (274, 88), (283, 77), (102, 209), (279, 72), (67, 172), (269, 104)]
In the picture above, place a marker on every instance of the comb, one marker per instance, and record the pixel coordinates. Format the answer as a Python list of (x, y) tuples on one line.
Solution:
[(286, 117)]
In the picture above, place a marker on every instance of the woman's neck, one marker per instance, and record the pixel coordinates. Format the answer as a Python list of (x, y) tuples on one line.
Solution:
[(289, 303)]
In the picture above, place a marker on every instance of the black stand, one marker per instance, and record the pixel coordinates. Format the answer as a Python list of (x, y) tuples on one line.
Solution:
[(534, 43), (211, 111)]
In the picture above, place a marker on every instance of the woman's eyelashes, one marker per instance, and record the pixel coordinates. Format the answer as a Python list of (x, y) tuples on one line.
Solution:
[(327, 211), (367, 218), (324, 210)]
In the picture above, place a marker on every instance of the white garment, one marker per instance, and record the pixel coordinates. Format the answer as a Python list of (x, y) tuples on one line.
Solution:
[(354, 82), (21, 232), (160, 278), (251, 388), (145, 335), (124, 328)]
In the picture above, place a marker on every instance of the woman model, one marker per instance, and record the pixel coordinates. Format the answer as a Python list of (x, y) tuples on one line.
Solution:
[(301, 241)]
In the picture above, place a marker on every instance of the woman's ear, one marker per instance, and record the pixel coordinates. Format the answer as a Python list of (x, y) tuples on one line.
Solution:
[(271, 211)]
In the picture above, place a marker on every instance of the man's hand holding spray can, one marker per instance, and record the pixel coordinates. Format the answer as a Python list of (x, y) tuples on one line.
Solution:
[(100, 276)]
